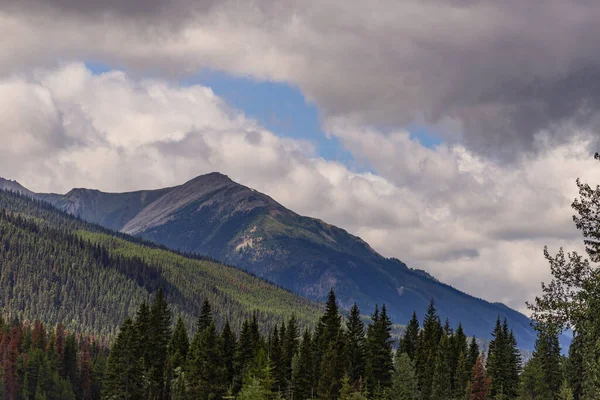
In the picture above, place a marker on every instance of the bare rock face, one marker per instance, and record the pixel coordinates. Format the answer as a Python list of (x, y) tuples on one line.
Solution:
[(215, 216)]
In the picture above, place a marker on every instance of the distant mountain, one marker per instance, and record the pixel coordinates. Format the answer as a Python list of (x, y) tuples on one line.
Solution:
[(54, 267), (217, 217)]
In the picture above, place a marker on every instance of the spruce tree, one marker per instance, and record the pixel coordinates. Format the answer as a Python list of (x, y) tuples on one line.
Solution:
[(205, 317), (404, 380), (179, 345), (290, 347), (429, 339), (547, 356), (458, 346), (158, 341), (326, 350), (408, 344), (462, 376), (356, 346), (229, 348), (479, 387), (207, 374), (379, 352), (533, 382), (473, 354), (441, 385), (124, 375), (303, 377), (575, 371)]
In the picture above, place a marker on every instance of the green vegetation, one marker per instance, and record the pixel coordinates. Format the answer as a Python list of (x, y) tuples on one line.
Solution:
[(58, 268)]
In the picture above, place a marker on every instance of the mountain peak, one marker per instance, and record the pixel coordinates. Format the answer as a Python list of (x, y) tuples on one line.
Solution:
[(13, 186), (210, 178)]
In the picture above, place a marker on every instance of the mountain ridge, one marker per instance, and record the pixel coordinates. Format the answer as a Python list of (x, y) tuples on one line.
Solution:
[(215, 216)]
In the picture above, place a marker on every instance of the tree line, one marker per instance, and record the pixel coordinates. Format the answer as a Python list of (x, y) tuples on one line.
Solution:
[(340, 358)]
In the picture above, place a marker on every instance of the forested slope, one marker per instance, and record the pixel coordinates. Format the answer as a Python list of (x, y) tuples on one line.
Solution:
[(54, 267)]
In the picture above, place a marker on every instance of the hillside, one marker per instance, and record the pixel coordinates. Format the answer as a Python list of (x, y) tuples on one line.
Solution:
[(217, 217), (55, 267)]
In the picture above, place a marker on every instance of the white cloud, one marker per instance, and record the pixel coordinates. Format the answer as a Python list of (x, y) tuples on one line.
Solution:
[(492, 71), (475, 224)]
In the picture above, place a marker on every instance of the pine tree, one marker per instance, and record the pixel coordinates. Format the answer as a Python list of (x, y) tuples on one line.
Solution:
[(441, 386), (533, 382), (473, 354), (332, 369), (356, 346), (327, 350), (429, 339), (404, 380), (124, 375), (158, 341), (179, 345), (565, 392), (290, 347), (458, 345), (276, 355), (206, 370), (409, 342), (462, 376), (229, 348), (379, 352), (246, 351), (205, 317), (575, 371), (480, 383), (303, 376), (547, 355)]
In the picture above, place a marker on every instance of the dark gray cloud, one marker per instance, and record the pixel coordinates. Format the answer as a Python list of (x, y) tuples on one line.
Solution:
[(499, 72)]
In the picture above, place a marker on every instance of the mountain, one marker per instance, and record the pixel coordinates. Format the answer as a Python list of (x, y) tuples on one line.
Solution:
[(55, 267), (217, 217)]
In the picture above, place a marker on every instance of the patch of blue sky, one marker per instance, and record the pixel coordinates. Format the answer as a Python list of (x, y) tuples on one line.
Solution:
[(279, 107)]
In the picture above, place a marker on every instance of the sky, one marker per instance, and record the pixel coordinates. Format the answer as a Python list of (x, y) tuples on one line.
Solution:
[(447, 134)]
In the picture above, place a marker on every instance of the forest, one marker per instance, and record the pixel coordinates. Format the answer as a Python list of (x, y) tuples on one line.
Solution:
[(252, 340), (341, 358)]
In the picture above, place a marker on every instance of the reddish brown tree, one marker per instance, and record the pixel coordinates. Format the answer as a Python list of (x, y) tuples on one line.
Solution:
[(10, 366), (480, 383)]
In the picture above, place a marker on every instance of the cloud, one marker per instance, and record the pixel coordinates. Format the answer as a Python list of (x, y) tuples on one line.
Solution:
[(496, 76), (473, 223)]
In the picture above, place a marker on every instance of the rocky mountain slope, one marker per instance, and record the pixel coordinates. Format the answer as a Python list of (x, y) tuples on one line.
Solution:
[(215, 216)]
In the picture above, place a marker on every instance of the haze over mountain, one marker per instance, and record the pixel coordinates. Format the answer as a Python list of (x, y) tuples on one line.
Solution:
[(217, 217)]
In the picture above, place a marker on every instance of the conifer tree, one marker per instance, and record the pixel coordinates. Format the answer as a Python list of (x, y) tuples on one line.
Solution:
[(473, 354), (290, 347), (533, 383), (158, 341), (404, 380), (565, 392), (246, 351), (575, 372), (326, 349), (458, 345), (303, 377), (205, 317), (179, 344), (356, 346), (409, 342), (379, 352), (441, 386), (427, 350), (124, 375), (332, 369), (276, 355), (462, 376), (480, 383), (206, 369), (229, 348), (547, 356)]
